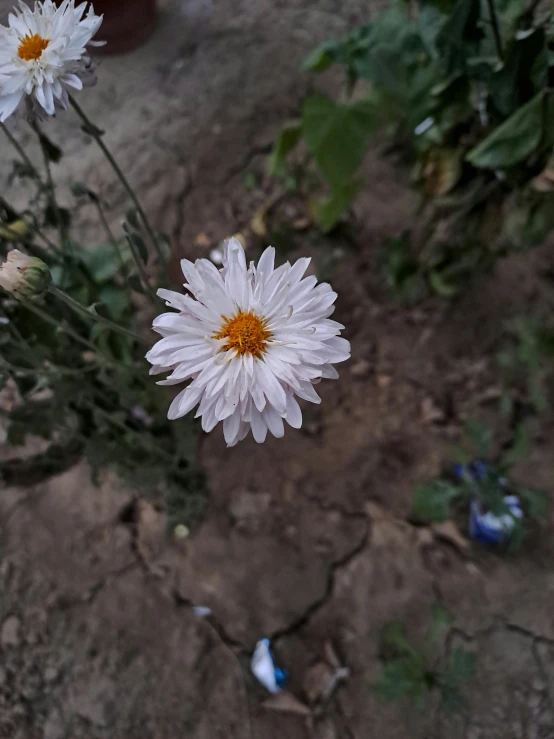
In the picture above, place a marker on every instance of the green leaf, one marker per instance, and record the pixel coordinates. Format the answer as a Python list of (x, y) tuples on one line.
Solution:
[(432, 502), (320, 58), (480, 436), (462, 28), (440, 286), (132, 217), (57, 216), (102, 262), (534, 503), (393, 639), (79, 189), (460, 668), (401, 678), (53, 152), (506, 406), (115, 299), (520, 447), (522, 75), (287, 139), (137, 242), (337, 136), (513, 141), (164, 243), (329, 211), (441, 622)]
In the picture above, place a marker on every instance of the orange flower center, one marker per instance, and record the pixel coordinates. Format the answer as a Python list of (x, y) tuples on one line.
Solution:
[(31, 47), (245, 332)]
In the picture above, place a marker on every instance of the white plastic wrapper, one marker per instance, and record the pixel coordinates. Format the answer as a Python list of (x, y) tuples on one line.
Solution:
[(263, 667)]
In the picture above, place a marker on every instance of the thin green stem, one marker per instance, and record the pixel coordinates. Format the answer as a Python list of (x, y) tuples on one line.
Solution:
[(66, 244), (141, 268), (109, 234), (45, 316), (85, 312), (17, 146), (141, 438), (96, 134), (495, 29)]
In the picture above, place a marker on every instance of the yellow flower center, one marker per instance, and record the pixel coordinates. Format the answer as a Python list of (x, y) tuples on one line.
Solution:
[(245, 332), (31, 47)]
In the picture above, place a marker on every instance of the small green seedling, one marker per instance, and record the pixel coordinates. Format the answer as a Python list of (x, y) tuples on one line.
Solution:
[(415, 673), (527, 364)]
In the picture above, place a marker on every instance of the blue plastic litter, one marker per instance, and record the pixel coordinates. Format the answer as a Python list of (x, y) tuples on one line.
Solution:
[(485, 527), (490, 529), (263, 666)]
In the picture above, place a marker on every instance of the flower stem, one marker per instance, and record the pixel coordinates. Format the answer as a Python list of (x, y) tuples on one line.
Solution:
[(17, 146), (141, 269), (83, 311), (66, 243), (96, 134), (113, 241)]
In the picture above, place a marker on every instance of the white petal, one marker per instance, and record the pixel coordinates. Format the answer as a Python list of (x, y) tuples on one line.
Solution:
[(259, 429), (294, 414), (231, 428)]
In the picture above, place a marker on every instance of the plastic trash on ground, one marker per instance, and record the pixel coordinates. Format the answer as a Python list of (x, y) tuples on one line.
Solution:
[(490, 529), (484, 526), (273, 678)]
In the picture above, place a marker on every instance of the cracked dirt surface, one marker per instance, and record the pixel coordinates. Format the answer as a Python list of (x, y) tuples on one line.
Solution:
[(306, 539)]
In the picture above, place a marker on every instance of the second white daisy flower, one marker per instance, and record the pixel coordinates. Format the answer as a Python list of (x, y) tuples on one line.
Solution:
[(43, 54), (251, 340)]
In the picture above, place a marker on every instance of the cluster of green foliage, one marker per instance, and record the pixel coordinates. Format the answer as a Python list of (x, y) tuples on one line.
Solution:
[(80, 373), (465, 89), (526, 361), (414, 673), (435, 501)]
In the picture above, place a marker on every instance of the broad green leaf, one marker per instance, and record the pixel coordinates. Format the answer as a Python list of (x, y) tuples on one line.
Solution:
[(522, 75), (432, 502), (329, 211), (115, 299), (287, 139), (512, 141), (337, 136), (102, 262)]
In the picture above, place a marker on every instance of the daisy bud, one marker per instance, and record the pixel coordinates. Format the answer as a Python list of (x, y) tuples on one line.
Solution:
[(24, 276), (14, 231)]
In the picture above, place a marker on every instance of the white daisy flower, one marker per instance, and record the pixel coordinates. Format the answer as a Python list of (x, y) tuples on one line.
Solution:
[(43, 53), (250, 339)]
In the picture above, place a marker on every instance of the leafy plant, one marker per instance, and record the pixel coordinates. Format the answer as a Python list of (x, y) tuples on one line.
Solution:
[(414, 673), (75, 354), (464, 88)]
